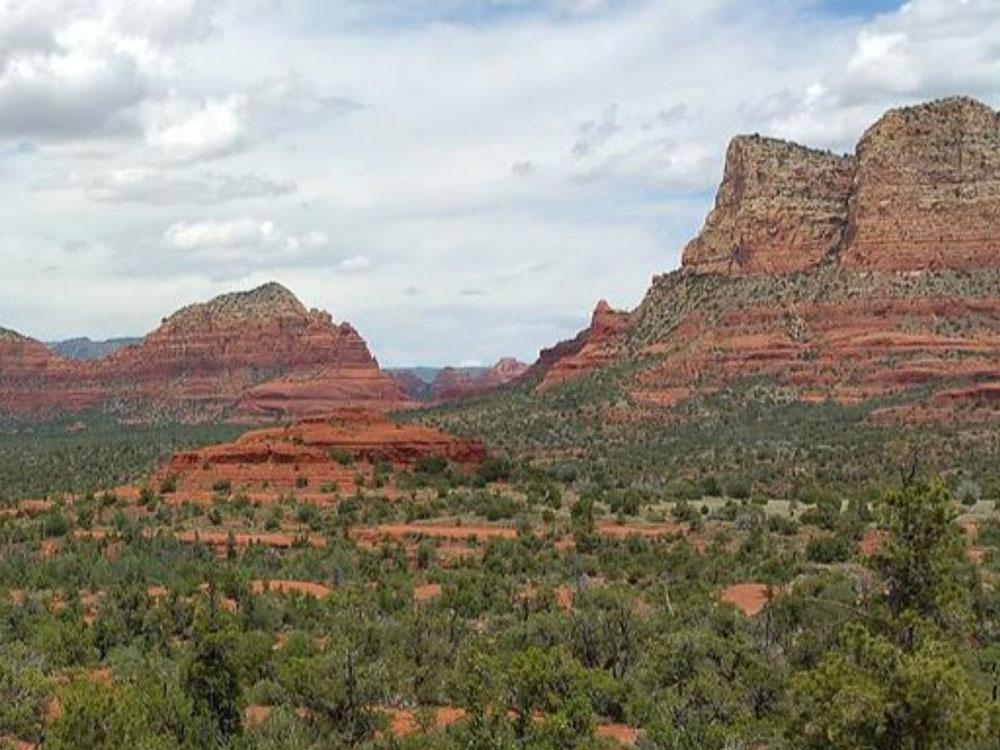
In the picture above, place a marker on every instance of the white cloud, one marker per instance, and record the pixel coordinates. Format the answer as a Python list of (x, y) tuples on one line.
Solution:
[(355, 264), (211, 234), (181, 131), (165, 187), (928, 49), (71, 69), (222, 248), (534, 154)]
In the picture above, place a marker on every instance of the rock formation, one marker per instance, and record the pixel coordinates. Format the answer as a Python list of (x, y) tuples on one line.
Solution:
[(313, 457), (781, 207), (256, 353), (594, 347), (452, 384), (836, 277), (922, 192), (927, 190)]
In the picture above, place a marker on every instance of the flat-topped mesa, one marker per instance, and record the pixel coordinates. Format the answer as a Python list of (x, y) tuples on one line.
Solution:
[(780, 208), (927, 190)]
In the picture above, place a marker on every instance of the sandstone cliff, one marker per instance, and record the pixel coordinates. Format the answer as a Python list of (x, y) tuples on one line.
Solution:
[(844, 278), (922, 192), (453, 384), (594, 347), (927, 190), (781, 207)]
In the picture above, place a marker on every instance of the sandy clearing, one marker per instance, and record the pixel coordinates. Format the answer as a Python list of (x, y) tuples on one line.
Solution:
[(748, 598)]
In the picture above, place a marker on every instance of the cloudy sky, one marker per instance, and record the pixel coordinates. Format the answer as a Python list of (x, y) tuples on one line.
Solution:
[(461, 179)]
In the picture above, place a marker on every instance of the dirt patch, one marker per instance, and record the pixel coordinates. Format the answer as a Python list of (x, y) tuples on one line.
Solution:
[(315, 590), (871, 542), (427, 591), (403, 721), (748, 598), (620, 733), (276, 539), (564, 597)]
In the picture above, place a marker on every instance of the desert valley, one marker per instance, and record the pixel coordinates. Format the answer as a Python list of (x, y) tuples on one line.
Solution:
[(770, 486), (758, 510)]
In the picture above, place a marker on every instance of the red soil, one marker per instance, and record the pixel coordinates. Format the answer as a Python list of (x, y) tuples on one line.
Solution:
[(402, 721), (871, 542), (748, 598), (316, 590), (427, 591), (564, 597), (215, 538), (621, 733)]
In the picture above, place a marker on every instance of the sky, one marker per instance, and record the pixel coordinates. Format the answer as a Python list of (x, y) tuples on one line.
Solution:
[(460, 179)]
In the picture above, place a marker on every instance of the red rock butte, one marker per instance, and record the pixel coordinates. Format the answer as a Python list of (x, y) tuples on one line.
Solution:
[(256, 353), (922, 191), (839, 277)]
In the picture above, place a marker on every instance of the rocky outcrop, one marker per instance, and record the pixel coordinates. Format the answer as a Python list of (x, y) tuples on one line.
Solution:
[(593, 348), (840, 278), (256, 353), (829, 335), (781, 208), (314, 457), (927, 190), (453, 384), (921, 193)]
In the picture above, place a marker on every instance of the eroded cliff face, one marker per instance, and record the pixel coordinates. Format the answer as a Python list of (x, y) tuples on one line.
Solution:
[(437, 386), (927, 190), (842, 278), (780, 208), (921, 193), (260, 352), (593, 348)]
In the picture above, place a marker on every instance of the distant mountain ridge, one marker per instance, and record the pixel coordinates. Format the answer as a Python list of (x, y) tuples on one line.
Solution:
[(87, 349), (442, 384)]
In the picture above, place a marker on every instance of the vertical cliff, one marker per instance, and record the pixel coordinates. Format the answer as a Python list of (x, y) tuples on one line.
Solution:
[(780, 208)]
